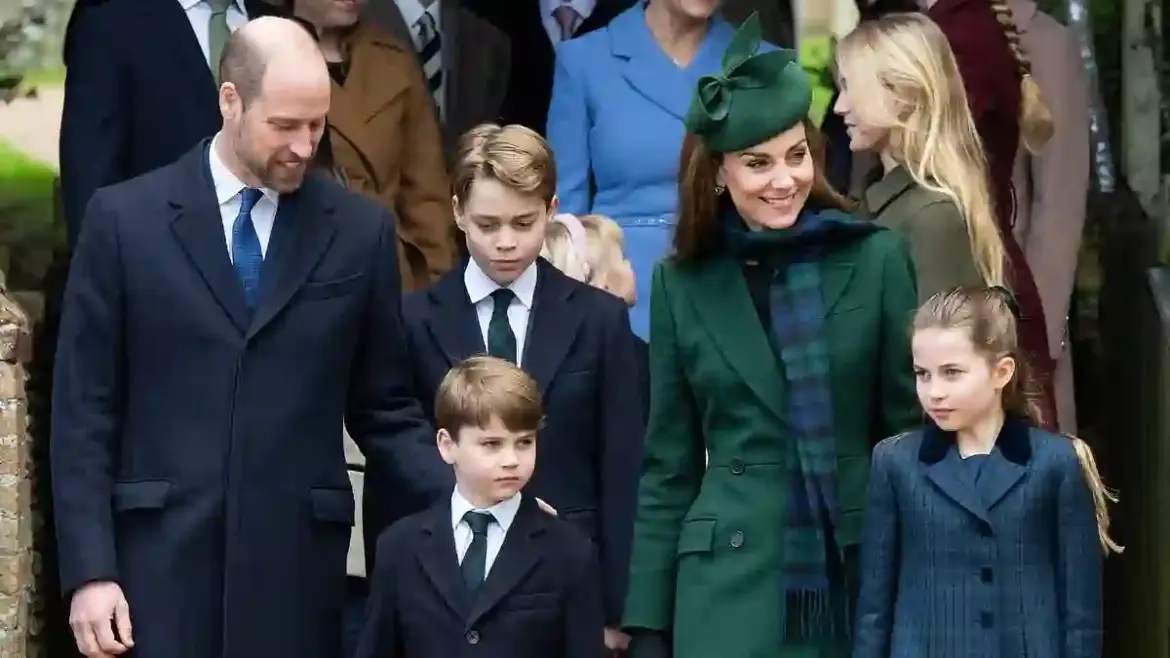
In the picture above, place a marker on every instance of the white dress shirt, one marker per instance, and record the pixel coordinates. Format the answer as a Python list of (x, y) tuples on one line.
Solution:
[(227, 195), (584, 9), (504, 513), (199, 13), (412, 11), (479, 290)]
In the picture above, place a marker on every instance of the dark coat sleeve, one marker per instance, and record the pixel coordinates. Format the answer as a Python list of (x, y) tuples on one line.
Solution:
[(879, 561), (382, 414), (95, 116), (379, 638), (88, 393), (584, 612), (1078, 572)]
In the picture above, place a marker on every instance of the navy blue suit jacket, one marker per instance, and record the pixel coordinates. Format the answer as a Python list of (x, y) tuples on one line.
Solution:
[(580, 350), (138, 94), (196, 450), (541, 598), (1003, 566)]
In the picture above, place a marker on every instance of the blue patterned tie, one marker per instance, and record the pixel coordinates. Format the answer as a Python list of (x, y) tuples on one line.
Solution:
[(246, 253)]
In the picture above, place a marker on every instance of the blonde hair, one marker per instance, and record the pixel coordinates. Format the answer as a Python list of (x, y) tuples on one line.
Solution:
[(481, 388), (905, 65), (1036, 124), (989, 316), (603, 249), (513, 155)]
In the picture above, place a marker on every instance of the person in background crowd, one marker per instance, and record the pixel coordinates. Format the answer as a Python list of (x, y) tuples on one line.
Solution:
[(589, 249), (778, 345), (223, 314), (491, 61), (140, 88), (901, 97), (572, 338), (1052, 184), (841, 163), (384, 138), (616, 122), (1008, 111), (777, 18), (486, 558), (980, 516)]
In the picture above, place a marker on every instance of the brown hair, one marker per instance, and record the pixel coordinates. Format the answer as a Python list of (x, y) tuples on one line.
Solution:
[(989, 318), (513, 155), (1036, 125), (696, 235), (481, 388)]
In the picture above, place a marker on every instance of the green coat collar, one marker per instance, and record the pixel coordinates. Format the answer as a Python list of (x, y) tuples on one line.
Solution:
[(722, 300)]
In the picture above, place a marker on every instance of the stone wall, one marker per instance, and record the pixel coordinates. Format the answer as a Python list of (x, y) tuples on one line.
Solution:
[(16, 519)]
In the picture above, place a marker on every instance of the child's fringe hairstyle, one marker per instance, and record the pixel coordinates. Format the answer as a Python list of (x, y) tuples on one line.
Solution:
[(516, 156), (989, 315)]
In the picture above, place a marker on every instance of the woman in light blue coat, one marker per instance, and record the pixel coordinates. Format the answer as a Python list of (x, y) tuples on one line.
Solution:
[(616, 121)]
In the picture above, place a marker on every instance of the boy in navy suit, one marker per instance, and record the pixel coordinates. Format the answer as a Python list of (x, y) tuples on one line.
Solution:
[(573, 339), (486, 571)]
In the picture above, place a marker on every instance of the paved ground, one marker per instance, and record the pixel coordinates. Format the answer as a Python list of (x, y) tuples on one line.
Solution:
[(33, 124)]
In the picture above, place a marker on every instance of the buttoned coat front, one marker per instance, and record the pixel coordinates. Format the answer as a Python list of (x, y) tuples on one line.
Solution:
[(707, 557), (1005, 565)]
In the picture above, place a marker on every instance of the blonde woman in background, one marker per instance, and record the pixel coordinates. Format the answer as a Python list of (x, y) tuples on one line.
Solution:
[(902, 98)]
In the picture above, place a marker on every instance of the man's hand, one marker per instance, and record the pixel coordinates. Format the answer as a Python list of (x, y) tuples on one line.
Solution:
[(616, 641), (96, 610)]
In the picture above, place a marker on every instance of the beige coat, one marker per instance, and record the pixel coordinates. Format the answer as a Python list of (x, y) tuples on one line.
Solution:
[(1052, 187)]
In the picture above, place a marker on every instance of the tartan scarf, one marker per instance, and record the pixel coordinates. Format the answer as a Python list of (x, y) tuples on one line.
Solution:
[(797, 313)]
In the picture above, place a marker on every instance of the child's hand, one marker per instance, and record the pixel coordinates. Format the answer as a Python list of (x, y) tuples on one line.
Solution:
[(616, 640)]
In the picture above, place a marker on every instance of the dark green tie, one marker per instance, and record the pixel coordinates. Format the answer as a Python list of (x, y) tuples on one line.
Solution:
[(474, 565), (217, 34), (501, 342)]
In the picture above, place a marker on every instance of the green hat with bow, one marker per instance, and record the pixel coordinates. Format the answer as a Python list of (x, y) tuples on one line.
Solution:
[(754, 98)]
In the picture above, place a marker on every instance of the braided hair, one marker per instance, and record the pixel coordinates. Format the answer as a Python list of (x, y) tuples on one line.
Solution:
[(1036, 126)]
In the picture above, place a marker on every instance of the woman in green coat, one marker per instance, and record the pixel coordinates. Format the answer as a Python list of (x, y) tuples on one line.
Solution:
[(780, 350)]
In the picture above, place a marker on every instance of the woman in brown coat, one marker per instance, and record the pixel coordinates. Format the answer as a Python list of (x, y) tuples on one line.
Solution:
[(384, 133)]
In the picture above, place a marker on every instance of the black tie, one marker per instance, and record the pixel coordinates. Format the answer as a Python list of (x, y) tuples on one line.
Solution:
[(501, 342), (475, 559)]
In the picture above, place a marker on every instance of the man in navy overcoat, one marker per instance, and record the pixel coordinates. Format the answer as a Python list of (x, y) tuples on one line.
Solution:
[(222, 315)]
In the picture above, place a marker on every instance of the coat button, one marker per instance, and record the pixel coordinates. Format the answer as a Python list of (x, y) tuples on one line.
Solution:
[(472, 637), (736, 539), (985, 574), (736, 467), (986, 620)]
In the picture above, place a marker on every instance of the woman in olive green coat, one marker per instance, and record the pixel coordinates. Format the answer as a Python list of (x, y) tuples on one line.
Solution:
[(779, 347), (902, 97)]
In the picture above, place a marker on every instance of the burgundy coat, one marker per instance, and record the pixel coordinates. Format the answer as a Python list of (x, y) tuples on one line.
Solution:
[(992, 81)]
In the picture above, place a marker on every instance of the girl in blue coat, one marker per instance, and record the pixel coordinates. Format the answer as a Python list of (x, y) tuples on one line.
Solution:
[(984, 535)]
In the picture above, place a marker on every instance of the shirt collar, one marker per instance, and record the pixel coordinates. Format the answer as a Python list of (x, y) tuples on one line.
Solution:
[(188, 5), (227, 185), (584, 8), (503, 511), (480, 286), (412, 10)]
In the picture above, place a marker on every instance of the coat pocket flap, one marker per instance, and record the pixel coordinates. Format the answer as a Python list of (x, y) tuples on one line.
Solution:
[(697, 536), (333, 505), (146, 494)]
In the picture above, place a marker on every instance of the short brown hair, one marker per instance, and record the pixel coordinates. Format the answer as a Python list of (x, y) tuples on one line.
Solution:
[(697, 233), (482, 388), (514, 155)]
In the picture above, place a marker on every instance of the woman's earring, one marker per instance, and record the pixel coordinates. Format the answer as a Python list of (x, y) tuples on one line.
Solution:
[(719, 189)]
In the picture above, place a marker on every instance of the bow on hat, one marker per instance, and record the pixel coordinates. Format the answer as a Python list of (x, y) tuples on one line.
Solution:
[(755, 95)]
